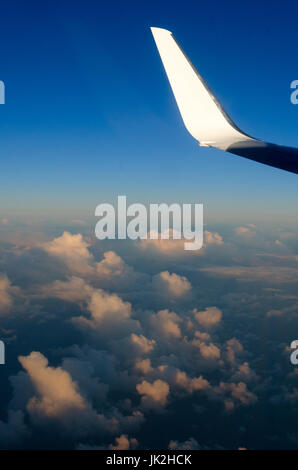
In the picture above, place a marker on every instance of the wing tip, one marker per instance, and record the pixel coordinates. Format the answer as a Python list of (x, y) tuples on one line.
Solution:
[(160, 31)]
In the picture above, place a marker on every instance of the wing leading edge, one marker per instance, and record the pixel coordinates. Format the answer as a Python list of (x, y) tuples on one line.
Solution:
[(205, 118)]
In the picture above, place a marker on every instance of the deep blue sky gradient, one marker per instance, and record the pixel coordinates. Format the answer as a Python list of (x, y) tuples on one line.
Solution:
[(89, 113)]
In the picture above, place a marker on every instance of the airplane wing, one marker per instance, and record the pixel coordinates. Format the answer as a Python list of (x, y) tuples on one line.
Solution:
[(205, 118)]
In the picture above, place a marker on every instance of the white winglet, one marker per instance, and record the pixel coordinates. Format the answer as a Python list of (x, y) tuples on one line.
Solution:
[(205, 118), (202, 114)]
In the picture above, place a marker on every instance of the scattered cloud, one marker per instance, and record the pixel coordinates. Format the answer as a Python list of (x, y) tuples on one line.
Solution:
[(172, 284), (155, 393), (208, 318)]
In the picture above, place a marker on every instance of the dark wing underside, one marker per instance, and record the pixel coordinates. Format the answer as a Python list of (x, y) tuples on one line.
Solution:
[(278, 156)]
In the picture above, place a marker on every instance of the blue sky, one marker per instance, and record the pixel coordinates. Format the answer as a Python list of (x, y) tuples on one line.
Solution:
[(89, 113)]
